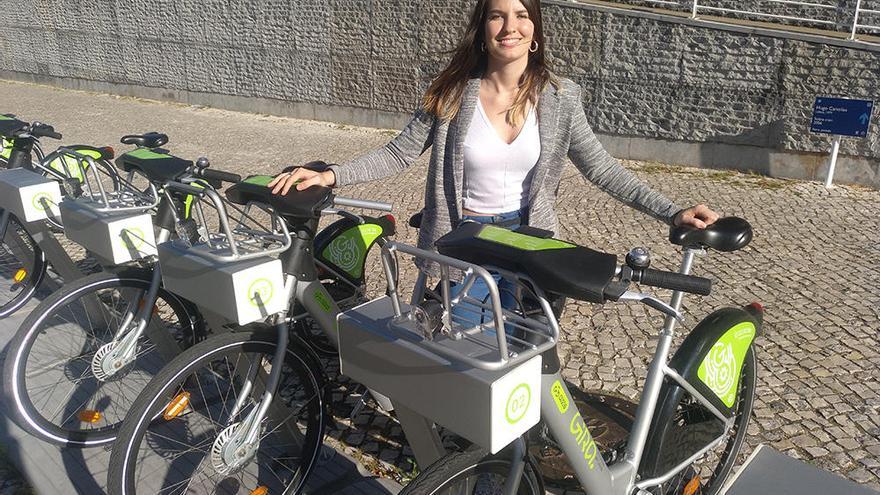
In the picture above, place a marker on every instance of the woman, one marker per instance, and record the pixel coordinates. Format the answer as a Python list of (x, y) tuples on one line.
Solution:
[(499, 126)]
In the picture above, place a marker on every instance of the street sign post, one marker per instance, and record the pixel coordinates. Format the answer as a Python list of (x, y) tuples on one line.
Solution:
[(840, 117)]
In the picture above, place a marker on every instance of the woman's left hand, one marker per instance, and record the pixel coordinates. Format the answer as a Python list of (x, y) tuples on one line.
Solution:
[(700, 216)]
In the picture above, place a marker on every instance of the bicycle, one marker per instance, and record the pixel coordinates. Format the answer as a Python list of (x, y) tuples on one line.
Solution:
[(224, 415), (84, 352), (482, 381), (28, 247)]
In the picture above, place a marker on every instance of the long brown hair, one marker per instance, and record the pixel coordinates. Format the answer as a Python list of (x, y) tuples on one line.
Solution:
[(443, 98)]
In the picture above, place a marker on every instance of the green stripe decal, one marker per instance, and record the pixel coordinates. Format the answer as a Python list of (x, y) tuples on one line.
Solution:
[(259, 180), (145, 154), (720, 369), (520, 241)]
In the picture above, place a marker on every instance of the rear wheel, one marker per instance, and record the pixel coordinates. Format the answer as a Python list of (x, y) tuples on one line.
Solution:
[(472, 472), (22, 267), (176, 436)]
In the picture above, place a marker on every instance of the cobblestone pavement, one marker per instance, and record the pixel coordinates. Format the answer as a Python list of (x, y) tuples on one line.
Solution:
[(812, 264)]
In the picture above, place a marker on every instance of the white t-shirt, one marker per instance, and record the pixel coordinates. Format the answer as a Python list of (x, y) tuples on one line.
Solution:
[(497, 174)]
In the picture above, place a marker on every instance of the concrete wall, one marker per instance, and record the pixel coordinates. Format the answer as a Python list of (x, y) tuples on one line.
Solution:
[(658, 88)]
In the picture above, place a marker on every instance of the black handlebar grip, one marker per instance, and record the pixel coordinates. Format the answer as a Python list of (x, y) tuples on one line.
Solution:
[(676, 281), (212, 174), (45, 131)]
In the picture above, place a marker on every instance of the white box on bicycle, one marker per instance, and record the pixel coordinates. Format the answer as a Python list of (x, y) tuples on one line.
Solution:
[(489, 408), (240, 291), (29, 195), (117, 237)]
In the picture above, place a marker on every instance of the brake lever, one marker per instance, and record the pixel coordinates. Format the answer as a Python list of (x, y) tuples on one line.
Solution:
[(652, 302), (344, 214)]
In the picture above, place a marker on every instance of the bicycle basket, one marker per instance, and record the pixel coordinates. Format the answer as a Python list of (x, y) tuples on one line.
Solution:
[(109, 215), (28, 195), (480, 380), (233, 271)]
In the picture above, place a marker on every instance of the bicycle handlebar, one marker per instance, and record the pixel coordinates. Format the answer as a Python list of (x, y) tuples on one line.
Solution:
[(219, 175), (674, 281), (44, 130), (362, 203)]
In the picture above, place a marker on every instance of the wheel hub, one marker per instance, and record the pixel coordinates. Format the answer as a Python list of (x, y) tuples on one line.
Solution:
[(105, 363), (228, 454)]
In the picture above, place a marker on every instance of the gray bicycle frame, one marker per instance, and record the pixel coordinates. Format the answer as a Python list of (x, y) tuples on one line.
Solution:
[(568, 428)]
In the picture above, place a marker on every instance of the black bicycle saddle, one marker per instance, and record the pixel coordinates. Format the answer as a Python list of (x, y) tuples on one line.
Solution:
[(148, 140), (726, 234), (307, 203), (160, 167)]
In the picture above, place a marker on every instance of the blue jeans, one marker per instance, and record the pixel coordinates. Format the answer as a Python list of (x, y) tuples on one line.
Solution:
[(479, 290)]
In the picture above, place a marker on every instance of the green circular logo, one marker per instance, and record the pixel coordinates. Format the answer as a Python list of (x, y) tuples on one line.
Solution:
[(131, 238), (39, 202), (518, 403), (260, 292)]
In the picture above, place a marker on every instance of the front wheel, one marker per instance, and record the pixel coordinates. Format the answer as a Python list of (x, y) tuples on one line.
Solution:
[(688, 428), (22, 267), (472, 472), (52, 371), (176, 437)]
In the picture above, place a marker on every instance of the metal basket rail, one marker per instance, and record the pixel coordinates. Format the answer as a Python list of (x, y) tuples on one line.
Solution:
[(504, 340), (123, 197), (243, 238)]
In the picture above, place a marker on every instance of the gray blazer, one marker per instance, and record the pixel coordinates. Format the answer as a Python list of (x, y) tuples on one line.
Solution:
[(564, 132)]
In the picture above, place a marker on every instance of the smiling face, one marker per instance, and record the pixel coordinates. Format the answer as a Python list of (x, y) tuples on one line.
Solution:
[(508, 31)]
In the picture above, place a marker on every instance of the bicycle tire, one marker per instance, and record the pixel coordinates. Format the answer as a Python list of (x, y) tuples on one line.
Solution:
[(19, 255), (44, 329), (146, 418), (474, 466), (685, 438)]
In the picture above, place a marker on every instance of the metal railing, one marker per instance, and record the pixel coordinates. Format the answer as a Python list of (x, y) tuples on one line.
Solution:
[(857, 21)]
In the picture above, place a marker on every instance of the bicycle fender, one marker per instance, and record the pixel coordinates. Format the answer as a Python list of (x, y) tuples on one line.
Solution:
[(710, 359), (343, 245), (711, 356)]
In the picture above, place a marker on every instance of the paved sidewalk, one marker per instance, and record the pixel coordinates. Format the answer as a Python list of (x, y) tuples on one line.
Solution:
[(813, 264)]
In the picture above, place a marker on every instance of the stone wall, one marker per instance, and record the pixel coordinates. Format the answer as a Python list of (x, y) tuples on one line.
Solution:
[(646, 77)]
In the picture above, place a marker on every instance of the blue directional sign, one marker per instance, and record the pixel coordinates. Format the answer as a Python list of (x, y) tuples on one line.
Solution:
[(841, 116)]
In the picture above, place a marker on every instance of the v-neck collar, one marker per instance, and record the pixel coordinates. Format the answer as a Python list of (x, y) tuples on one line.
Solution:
[(488, 121)]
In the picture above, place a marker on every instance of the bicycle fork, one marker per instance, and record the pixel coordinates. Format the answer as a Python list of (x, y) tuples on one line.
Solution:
[(237, 444), (122, 350)]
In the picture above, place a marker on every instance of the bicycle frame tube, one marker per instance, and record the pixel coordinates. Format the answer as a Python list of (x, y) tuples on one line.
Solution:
[(571, 433)]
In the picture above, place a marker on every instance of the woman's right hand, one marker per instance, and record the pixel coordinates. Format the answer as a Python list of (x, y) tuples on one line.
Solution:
[(302, 178)]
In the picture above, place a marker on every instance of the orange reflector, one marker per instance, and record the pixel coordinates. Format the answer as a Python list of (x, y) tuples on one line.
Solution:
[(20, 275), (692, 487), (89, 416), (176, 406), (260, 490)]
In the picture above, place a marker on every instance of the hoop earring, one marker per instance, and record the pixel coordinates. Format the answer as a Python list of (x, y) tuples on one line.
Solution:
[(533, 50), (483, 47)]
